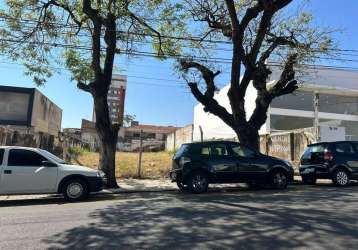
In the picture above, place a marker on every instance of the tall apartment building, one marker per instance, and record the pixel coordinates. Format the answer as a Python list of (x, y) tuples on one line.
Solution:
[(116, 97)]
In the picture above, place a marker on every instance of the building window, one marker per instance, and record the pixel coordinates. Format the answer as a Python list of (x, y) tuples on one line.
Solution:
[(150, 136), (280, 122), (338, 104), (299, 100)]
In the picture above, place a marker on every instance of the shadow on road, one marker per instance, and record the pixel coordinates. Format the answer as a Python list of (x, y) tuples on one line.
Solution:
[(313, 217), (49, 200)]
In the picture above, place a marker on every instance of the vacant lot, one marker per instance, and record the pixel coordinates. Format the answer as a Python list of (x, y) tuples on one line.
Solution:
[(154, 165)]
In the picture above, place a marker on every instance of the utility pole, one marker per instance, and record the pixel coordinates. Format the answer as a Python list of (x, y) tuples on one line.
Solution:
[(316, 119), (201, 134), (140, 154)]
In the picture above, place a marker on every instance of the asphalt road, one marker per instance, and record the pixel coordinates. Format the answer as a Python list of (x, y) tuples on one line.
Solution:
[(303, 217)]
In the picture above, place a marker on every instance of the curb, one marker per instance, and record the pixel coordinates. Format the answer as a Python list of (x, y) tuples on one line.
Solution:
[(126, 191)]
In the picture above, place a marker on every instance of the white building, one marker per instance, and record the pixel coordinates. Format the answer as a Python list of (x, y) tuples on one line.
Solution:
[(337, 92)]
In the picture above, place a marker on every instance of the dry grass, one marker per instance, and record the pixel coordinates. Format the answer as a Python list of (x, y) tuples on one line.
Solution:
[(154, 165)]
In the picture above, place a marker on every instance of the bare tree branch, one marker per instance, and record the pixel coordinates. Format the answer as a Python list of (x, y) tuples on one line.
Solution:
[(207, 75), (211, 105), (84, 87), (287, 83)]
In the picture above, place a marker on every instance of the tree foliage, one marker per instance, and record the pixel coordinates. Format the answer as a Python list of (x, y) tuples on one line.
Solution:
[(84, 37), (263, 36), (47, 36)]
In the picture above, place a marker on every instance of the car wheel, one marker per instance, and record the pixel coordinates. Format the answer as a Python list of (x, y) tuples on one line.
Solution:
[(198, 182), (75, 190), (309, 180), (341, 177), (183, 187), (279, 179)]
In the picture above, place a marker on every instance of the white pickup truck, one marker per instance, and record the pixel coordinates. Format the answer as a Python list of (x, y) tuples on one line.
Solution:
[(36, 171)]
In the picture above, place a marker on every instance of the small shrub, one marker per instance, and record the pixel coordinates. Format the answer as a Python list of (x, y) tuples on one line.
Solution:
[(75, 153)]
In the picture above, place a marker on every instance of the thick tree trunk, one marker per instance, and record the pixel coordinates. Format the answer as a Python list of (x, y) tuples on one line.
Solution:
[(108, 135), (249, 136)]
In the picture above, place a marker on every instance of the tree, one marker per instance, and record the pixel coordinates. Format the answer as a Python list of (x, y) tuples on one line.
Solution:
[(84, 36), (259, 31), (128, 119)]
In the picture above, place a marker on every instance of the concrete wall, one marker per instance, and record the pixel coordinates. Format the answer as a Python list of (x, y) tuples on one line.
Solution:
[(180, 136), (288, 145), (48, 142), (46, 116), (27, 109), (56, 144), (14, 106)]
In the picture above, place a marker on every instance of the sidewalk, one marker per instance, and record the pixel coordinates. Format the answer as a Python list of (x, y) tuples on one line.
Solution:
[(125, 186), (142, 185), (134, 186)]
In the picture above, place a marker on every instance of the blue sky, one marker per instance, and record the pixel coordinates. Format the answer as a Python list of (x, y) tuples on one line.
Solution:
[(155, 94)]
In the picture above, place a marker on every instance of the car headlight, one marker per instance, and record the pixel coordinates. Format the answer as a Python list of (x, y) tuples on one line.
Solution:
[(100, 174)]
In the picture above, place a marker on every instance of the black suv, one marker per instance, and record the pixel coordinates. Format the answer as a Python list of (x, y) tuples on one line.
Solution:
[(337, 161), (195, 165)]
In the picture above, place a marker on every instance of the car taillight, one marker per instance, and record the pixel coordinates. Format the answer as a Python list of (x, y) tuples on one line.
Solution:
[(183, 160), (328, 156)]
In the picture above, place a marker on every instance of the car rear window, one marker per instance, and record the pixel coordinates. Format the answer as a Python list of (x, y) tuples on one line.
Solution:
[(1, 155), (219, 150)]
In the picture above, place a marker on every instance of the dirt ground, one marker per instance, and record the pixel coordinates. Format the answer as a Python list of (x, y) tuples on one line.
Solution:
[(154, 164)]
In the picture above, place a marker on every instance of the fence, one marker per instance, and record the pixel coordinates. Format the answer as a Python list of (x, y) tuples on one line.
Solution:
[(54, 144), (287, 145)]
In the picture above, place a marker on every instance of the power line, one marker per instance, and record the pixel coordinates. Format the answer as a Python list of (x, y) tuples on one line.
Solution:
[(195, 39), (154, 55), (150, 54)]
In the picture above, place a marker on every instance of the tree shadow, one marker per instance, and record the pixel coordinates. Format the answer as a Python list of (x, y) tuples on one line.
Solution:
[(315, 217), (51, 200)]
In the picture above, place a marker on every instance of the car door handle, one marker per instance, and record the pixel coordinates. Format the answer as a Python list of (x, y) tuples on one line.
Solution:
[(7, 171)]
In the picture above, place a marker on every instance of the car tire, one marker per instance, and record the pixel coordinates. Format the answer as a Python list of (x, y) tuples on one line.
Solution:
[(75, 190), (309, 179), (182, 187), (279, 179), (198, 182), (341, 177)]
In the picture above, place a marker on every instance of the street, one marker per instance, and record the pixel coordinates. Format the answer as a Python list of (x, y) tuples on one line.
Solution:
[(303, 217)]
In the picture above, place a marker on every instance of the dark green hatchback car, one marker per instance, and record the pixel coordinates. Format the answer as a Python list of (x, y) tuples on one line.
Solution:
[(196, 165)]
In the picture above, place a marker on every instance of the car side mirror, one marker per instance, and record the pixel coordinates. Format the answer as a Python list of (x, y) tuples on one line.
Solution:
[(48, 164)]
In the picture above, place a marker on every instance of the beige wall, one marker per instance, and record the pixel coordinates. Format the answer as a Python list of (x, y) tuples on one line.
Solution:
[(180, 136), (46, 116)]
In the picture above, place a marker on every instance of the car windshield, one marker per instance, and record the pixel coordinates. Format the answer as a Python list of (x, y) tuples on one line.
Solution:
[(52, 157), (181, 150)]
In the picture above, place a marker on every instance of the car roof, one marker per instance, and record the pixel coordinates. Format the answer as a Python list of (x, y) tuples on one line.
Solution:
[(332, 142), (210, 142), (18, 147)]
